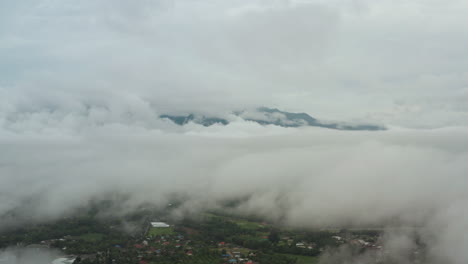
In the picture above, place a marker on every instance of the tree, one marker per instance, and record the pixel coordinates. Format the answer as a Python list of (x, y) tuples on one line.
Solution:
[(274, 236)]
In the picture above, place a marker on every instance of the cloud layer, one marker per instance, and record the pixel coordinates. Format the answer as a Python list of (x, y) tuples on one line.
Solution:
[(83, 83), (394, 62), (308, 177)]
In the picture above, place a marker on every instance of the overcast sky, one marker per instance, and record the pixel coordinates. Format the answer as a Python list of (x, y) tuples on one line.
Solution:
[(396, 62), (82, 84)]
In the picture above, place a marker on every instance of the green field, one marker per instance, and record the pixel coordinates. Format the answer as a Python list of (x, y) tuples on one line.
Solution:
[(303, 259), (160, 231)]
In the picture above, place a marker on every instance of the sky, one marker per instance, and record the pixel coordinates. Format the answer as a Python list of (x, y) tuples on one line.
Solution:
[(82, 85), (397, 62)]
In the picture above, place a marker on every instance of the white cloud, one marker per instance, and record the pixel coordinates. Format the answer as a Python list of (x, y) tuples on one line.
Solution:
[(84, 82), (335, 59)]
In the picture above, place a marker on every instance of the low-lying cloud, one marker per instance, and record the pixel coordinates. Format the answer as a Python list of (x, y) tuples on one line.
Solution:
[(307, 177), (18, 255)]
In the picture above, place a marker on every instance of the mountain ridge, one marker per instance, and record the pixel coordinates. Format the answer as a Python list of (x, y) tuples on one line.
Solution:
[(270, 116)]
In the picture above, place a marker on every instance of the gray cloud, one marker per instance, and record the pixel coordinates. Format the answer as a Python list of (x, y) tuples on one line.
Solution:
[(28, 255), (356, 60), (83, 84), (306, 177)]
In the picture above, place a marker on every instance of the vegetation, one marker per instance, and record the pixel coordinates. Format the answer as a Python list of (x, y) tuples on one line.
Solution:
[(215, 239), (303, 259), (160, 231), (275, 259)]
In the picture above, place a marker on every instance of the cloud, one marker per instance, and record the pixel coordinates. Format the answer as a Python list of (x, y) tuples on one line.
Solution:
[(307, 177), (84, 83), (28, 255), (337, 60)]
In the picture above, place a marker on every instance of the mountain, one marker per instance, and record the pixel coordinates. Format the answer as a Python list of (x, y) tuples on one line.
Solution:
[(202, 120), (270, 116)]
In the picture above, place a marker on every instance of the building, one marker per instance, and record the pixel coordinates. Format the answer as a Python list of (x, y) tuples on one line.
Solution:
[(159, 224), (300, 245)]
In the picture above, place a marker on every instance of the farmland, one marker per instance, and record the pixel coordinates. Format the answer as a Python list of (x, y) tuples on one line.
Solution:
[(160, 231)]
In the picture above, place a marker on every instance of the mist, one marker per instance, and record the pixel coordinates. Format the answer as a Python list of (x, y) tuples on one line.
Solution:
[(303, 177), (390, 62), (82, 86), (28, 255)]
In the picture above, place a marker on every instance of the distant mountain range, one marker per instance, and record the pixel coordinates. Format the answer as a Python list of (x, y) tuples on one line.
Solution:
[(270, 116)]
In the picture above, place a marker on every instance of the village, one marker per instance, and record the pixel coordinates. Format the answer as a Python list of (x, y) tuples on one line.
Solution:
[(213, 239), (161, 241)]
